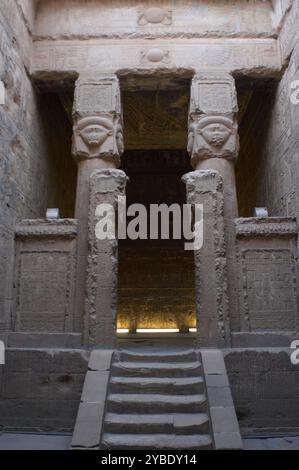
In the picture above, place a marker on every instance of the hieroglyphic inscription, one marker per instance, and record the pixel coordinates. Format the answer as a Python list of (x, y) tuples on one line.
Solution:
[(269, 288)]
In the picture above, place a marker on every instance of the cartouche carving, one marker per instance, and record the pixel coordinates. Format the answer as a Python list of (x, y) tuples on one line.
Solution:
[(212, 136), (98, 136)]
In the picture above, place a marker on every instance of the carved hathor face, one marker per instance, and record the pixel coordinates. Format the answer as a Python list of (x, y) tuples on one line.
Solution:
[(216, 134), (215, 131), (94, 130), (94, 135)]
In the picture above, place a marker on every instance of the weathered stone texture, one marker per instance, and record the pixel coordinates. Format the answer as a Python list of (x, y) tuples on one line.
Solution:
[(267, 265), (90, 418), (41, 389), (213, 144), (264, 386), (267, 171), (206, 187), (74, 36), (65, 18), (101, 281), (68, 58), (45, 275), (35, 168), (288, 36), (97, 144), (279, 11)]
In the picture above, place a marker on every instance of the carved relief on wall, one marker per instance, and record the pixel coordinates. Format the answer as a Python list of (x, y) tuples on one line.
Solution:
[(154, 15), (45, 275), (155, 55), (212, 136), (96, 95), (269, 289), (98, 137), (213, 92)]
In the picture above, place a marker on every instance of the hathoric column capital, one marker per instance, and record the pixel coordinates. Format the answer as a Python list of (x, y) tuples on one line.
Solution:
[(213, 129), (97, 115)]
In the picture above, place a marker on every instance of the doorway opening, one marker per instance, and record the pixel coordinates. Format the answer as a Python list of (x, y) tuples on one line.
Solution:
[(156, 280)]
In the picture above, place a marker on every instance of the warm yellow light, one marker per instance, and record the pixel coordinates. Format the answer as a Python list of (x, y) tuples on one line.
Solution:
[(122, 330), (157, 330), (192, 330)]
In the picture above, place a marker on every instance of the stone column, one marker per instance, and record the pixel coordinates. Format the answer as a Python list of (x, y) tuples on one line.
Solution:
[(97, 145), (101, 287), (206, 187), (213, 144)]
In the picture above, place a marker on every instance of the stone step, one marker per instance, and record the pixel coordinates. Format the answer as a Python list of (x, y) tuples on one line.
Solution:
[(155, 441), (177, 423), (155, 403), (163, 369), (165, 385), (156, 356)]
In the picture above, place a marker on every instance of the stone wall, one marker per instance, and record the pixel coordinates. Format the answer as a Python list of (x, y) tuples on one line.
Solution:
[(266, 250), (78, 19), (41, 389), (268, 165), (72, 36), (265, 390), (45, 273), (36, 170)]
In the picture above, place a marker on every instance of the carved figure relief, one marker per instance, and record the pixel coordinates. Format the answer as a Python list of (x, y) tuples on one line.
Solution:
[(98, 137), (154, 15), (212, 136)]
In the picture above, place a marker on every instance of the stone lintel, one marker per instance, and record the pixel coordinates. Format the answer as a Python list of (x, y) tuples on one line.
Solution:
[(266, 227), (47, 228), (66, 58)]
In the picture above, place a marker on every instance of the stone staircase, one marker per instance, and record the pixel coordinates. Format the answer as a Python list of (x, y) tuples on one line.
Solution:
[(157, 400), (156, 395)]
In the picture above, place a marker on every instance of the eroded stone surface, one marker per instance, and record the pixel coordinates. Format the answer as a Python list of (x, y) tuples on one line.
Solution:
[(46, 255), (147, 18), (253, 296), (101, 284), (206, 187)]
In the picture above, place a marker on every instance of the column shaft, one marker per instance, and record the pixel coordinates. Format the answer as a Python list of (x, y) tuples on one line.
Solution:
[(97, 145), (102, 261), (206, 187), (213, 144)]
